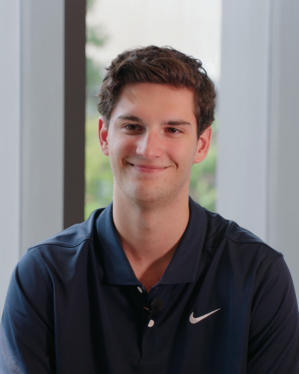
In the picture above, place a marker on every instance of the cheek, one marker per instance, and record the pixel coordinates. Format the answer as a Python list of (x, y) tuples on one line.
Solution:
[(183, 154), (120, 149), (127, 146)]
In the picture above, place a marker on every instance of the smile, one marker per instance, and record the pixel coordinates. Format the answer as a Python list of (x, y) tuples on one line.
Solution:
[(148, 168)]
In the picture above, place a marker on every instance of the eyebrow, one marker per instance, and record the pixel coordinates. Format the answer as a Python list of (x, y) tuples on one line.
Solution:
[(176, 122), (130, 118)]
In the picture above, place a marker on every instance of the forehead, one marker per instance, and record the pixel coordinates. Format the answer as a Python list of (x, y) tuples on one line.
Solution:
[(159, 100)]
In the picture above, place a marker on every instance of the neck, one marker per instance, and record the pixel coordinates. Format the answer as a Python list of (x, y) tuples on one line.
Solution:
[(150, 234)]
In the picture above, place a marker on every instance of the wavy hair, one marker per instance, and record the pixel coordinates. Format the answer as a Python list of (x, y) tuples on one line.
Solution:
[(163, 65)]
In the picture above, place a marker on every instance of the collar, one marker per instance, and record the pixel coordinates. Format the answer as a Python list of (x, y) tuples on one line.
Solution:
[(182, 267)]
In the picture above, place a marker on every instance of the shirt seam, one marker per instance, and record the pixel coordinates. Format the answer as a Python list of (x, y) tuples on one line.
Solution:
[(243, 242), (61, 244)]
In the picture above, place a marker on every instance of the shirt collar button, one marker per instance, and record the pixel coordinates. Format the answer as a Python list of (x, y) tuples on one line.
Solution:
[(151, 323)]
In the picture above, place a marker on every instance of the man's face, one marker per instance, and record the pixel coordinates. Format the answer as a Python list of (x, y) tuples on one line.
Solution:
[(152, 142)]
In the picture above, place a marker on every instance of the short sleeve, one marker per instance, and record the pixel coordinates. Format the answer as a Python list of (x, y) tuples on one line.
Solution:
[(274, 328), (27, 333)]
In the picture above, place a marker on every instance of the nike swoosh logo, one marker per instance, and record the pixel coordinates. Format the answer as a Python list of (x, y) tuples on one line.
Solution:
[(198, 319)]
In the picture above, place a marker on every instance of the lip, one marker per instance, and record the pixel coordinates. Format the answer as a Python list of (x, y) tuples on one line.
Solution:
[(148, 168)]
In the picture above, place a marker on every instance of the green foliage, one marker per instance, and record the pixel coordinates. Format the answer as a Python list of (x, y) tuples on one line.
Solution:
[(202, 181), (95, 37), (98, 175), (89, 4), (99, 178), (93, 76)]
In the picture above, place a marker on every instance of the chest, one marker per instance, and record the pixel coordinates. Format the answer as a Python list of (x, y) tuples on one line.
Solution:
[(202, 327)]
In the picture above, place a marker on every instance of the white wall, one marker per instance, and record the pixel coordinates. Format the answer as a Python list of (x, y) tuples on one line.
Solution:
[(257, 173), (243, 114), (10, 132), (42, 110), (31, 127), (283, 213)]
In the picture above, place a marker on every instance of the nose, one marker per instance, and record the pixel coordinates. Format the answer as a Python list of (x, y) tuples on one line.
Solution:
[(149, 146)]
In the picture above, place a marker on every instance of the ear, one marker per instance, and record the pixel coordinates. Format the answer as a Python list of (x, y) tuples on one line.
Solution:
[(103, 136), (203, 145)]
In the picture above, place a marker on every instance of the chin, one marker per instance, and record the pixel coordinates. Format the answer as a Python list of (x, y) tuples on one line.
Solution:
[(153, 194), (148, 199)]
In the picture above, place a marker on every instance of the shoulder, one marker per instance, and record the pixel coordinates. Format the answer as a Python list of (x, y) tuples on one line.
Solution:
[(217, 228), (246, 258), (74, 235), (236, 239), (63, 250)]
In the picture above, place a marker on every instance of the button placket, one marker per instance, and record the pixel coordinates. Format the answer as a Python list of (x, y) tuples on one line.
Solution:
[(150, 349)]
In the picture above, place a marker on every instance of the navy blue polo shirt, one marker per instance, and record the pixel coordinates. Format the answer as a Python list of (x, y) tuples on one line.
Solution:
[(74, 305)]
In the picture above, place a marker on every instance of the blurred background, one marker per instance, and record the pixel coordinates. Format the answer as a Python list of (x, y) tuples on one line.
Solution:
[(53, 58)]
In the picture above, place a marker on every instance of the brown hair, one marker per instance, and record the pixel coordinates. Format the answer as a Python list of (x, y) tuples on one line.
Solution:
[(163, 66)]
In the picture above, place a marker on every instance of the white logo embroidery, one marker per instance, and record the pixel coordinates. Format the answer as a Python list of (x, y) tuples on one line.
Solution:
[(198, 319)]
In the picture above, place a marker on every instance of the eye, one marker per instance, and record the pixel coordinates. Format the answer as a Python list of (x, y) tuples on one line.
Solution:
[(172, 130), (132, 127)]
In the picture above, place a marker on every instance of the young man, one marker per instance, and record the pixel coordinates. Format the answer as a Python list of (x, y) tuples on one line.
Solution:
[(154, 283)]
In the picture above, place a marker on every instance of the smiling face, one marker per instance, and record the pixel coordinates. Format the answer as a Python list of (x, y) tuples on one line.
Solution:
[(152, 143)]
